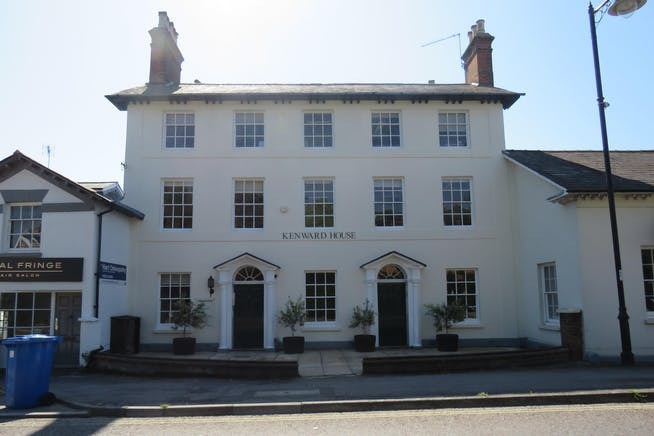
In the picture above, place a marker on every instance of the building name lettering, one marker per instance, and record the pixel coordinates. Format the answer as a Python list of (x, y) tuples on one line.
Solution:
[(332, 236)]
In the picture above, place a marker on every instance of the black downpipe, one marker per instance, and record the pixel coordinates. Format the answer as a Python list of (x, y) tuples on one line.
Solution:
[(97, 264)]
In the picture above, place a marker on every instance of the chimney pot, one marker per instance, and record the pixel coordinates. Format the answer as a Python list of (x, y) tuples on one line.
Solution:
[(480, 26)]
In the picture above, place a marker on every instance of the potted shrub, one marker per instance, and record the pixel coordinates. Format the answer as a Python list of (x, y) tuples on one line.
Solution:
[(444, 315), (293, 314), (187, 314), (363, 317)]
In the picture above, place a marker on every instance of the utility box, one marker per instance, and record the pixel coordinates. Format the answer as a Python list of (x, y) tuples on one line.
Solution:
[(125, 334), (29, 364)]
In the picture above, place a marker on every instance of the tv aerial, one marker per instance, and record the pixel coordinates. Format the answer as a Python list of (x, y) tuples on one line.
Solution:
[(454, 35)]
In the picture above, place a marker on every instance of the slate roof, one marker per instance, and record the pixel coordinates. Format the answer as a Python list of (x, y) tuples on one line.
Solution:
[(583, 171), (314, 91), (18, 161)]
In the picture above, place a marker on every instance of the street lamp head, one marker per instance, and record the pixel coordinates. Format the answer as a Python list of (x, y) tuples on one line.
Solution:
[(626, 7)]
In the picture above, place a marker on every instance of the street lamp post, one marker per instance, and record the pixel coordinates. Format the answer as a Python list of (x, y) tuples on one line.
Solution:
[(619, 7)]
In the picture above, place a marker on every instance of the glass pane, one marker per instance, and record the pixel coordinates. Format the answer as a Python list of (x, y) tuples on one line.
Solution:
[(25, 300)]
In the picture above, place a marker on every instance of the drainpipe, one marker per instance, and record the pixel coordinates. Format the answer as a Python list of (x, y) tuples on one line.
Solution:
[(97, 264)]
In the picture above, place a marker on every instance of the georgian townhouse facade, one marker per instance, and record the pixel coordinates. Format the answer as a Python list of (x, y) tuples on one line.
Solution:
[(335, 193)]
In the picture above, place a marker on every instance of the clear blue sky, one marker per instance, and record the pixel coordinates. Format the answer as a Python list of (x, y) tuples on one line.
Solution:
[(59, 59)]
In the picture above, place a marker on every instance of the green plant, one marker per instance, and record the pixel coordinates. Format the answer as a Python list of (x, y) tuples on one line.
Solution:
[(363, 317), (638, 396), (294, 313), (445, 315), (482, 395), (188, 314)]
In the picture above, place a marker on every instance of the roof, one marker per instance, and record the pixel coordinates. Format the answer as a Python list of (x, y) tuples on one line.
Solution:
[(583, 171), (314, 91), (18, 162)]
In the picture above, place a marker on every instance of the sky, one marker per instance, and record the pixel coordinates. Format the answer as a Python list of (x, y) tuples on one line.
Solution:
[(60, 58)]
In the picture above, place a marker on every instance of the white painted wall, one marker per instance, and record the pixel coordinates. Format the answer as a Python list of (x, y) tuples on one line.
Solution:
[(352, 162)]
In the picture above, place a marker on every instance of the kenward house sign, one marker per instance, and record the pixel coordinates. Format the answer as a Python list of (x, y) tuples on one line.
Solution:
[(319, 236), (41, 269)]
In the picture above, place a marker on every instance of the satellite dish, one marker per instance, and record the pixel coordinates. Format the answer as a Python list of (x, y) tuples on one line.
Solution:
[(626, 7)]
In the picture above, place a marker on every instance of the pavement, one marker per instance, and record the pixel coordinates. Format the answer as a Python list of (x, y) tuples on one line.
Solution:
[(331, 382)]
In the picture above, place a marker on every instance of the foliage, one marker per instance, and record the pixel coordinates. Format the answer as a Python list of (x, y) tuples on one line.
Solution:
[(294, 313), (363, 317), (188, 314), (445, 315)]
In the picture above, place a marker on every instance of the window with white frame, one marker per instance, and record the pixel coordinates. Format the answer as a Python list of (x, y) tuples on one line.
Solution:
[(549, 292), (320, 296), (177, 203), (457, 201), (248, 129), (25, 313), (318, 129), (248, 204), (461, 286), (385, 129), (647, 255), (173, 287), (452, 129), (318, 203), (180, 130), (24, 226), (389, 202)]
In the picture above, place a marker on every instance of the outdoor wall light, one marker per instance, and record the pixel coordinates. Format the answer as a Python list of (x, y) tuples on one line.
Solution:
[(211, 283)]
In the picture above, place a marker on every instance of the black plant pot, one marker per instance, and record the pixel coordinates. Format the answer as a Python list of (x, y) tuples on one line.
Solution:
[(293, 344), (364, 343), (447, 342), (183, 345)]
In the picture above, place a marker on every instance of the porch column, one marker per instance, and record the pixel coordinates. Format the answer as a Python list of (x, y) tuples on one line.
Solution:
[(226, 300), (269, 300), (414, 307), (371, 295)]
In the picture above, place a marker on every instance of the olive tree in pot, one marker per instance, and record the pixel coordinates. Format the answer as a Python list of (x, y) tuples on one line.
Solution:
[(444, 315), (293, 314), (187, 314), (363, 317)]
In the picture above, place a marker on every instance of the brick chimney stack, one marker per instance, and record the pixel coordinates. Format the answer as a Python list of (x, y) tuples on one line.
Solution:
[(478, 58), (165, 57)]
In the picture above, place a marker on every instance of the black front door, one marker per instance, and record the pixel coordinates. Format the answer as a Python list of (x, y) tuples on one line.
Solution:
[(391, 303), (248, 316), (68, 309)]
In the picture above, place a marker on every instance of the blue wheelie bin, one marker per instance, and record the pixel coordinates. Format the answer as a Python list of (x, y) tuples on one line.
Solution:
[(29, 363)]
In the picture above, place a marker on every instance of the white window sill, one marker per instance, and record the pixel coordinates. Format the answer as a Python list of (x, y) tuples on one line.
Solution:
[(320, 326), (550, 327), (164, 329), (467, 325), (650, 319)]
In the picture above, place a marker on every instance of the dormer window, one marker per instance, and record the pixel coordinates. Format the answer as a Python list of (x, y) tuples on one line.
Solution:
[(25, 226)]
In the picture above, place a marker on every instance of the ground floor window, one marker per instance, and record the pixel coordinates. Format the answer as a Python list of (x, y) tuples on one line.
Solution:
[(173, 287), (648, 277), (549, 291), (461, 285), (25, 313), (320, 296)]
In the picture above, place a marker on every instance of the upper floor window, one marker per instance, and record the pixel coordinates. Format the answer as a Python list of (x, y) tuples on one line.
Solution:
[(318, 129), (25, 226), (248, 129), (648, 276), (389, 203), (318, 203), (173, 287), (180, 130), (549, 291), (457, 201), (248, 204), (452, 129), (177, 204), (385, 129), (462, 289)]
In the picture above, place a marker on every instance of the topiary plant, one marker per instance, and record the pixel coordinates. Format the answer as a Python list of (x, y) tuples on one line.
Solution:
[(294, 313), (363, 317), (188, 314), (445, 315)]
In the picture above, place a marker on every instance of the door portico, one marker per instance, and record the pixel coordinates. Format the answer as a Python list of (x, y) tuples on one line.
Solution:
[(227, 277), (413, 270)]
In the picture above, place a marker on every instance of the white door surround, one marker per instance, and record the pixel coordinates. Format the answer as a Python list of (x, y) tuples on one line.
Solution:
[(226, 277)]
